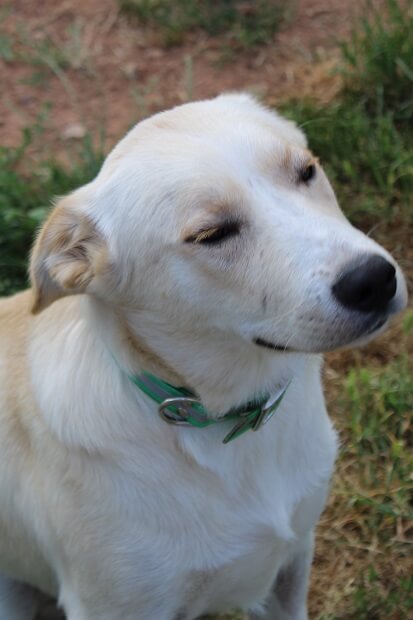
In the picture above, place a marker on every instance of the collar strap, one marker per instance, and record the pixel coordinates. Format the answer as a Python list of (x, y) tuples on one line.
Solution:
[(179, 406)]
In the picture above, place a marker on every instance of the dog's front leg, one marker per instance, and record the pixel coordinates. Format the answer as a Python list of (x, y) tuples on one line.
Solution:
[(288, 600), (80, 606), (17, 601)]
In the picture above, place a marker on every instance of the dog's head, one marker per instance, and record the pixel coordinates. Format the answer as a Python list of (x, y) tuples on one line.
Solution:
[(215, 217)]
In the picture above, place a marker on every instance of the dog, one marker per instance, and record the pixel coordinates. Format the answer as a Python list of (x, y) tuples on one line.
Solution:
[(165, 447)]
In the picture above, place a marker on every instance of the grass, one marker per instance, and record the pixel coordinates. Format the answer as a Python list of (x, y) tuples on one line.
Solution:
[(365, 139), (25, 200), (245, 23), (368, 523), (49, 55), (379, 59), (369, 158)]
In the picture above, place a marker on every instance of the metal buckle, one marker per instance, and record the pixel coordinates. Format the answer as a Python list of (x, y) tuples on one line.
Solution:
[(182, 403), (269, 408)]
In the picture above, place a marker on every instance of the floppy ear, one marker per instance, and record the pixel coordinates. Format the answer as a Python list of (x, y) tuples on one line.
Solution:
[(68, 254)]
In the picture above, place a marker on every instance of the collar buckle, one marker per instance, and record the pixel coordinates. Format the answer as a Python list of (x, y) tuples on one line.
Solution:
[(176, 410), (269, 408)]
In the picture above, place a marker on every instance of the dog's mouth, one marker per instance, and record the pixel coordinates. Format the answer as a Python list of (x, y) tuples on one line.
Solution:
[(376, 326), (274, 347)]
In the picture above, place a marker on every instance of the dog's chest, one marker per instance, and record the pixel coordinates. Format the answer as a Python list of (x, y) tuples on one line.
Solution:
[(238, 570), (249, 529), (224, 530), (202, 526)]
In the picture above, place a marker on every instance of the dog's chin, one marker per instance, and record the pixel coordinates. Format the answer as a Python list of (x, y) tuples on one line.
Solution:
[(355, 338), (378, 328)]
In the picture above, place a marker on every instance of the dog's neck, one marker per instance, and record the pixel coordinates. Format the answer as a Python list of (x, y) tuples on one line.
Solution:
[(224, 370), (102, 409)]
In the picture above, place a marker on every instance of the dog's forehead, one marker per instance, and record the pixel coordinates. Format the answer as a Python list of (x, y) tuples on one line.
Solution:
[(226, 115), (234, 125)]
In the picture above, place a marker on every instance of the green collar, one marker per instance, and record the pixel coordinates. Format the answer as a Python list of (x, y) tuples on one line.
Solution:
[(181, 407)]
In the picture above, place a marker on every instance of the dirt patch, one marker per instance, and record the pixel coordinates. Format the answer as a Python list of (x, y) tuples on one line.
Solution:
[(90, 66)]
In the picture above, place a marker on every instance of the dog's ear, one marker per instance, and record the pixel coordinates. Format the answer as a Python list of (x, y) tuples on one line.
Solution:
[(68, 255)]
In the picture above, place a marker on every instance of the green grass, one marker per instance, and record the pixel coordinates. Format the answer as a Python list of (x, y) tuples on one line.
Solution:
[(371, 602), (245, 23), (6, 44), (379, 409), (372, 509), (25, 200), (379, 59), (369, 158), (6, 48), (49, 56), (365, 138)]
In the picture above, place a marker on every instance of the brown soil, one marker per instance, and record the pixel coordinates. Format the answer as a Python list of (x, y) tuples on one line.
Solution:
[(100, 71)]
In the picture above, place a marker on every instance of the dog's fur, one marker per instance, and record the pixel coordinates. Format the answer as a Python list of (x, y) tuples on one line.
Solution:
[(103, 505)]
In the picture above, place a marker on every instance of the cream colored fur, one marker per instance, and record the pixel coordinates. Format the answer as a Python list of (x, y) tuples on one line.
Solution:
[(103, 505)]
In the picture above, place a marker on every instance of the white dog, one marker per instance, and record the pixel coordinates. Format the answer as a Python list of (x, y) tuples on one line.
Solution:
[(209, 263)]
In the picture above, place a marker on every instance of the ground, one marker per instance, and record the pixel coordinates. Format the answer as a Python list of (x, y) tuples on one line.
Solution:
[(80, 66), (99, 70)]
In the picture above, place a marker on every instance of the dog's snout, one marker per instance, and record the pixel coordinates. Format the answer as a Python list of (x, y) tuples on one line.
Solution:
[(368, 286)]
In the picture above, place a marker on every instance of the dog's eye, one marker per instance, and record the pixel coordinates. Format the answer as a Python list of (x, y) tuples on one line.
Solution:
[(213, 236), (308, 173)]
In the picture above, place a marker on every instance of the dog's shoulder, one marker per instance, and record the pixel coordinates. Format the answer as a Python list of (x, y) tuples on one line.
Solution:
[(15, 314)]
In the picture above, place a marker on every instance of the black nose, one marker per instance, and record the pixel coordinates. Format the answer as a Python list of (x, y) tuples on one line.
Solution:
[(367, 287)]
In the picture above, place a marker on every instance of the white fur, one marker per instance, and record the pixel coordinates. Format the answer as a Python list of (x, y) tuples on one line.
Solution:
[(111, 510)]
